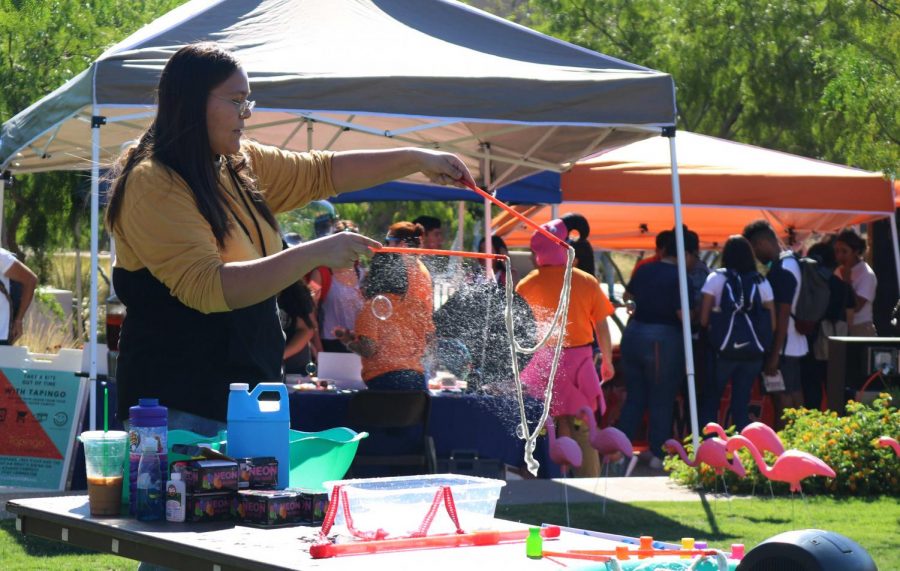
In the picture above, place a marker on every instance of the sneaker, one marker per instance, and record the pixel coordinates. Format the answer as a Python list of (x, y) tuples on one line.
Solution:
[(655, 463)]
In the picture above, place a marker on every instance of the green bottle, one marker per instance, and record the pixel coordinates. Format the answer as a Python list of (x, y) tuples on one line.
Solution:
[(534, 544)]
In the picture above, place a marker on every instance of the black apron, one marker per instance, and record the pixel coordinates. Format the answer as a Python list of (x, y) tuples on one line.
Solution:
[(187, 358)]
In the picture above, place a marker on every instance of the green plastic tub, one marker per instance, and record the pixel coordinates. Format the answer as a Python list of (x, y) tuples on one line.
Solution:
[(317, 457)]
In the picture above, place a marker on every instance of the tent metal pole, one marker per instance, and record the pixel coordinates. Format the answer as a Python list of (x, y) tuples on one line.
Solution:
[(895, 242), (486, 175), (309, 134), (459, 242), (554, 211), (96, 122), (683, 291), (6, 176)]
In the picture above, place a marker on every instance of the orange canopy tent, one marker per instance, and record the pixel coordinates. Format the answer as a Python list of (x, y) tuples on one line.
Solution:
[(626, 193)]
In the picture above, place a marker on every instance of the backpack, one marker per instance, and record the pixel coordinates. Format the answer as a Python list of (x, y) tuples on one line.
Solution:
[(742, 328), (815, 293)]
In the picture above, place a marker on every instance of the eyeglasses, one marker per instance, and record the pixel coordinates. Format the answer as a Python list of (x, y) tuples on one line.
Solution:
[(409, 241), (243, 107)]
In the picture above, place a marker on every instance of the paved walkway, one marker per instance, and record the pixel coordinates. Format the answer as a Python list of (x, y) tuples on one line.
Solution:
[(625, 490)]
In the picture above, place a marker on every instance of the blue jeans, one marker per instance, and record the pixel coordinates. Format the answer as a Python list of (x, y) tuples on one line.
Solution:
[(742, 375), (653, 363), (402, 380)]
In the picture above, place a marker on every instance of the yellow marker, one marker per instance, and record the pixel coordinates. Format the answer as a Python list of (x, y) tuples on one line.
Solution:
[(687, 544)]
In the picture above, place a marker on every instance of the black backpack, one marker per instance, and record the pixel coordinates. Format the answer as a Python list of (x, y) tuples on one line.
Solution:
[(741, 328), (815, 293)]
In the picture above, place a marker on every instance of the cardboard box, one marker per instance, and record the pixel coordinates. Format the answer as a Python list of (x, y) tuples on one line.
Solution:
[(210, 507), (268, 507), (258, 473), (208, 476)]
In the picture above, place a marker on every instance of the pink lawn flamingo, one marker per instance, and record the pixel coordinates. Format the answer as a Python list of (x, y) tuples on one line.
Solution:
[(563, 450), (711, 452), (607, 441), (886, 441), (761, 435), (791, 467)]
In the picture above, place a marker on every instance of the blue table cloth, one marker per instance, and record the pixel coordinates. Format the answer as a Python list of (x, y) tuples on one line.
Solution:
[(481, 423)]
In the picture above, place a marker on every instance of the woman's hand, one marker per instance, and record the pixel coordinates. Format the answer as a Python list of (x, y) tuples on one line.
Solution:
[(444, 168), (607, 370), (342, 249)]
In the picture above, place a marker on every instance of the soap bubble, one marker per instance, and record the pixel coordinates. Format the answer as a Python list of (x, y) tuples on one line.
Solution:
[(382, 308), (520, 431)]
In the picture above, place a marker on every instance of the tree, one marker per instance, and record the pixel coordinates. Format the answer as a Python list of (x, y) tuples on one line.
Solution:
[(44, 44), (815, 78)]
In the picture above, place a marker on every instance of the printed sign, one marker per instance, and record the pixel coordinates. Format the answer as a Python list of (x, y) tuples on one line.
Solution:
[(39, 419)]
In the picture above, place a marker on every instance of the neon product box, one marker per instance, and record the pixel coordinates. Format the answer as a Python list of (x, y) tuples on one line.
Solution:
[(210, 507), (313, 505), (399, 504), (269, 508), (258, 473), (208, 476)]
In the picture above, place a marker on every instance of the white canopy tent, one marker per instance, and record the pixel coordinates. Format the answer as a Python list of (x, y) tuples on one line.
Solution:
[(362, 74)]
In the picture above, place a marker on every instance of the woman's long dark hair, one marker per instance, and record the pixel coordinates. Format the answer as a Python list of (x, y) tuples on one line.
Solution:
[(737, 255), (296, 300), (584, 252), (178, 138)]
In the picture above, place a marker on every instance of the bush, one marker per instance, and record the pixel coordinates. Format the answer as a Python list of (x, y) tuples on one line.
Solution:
[(846, 443)]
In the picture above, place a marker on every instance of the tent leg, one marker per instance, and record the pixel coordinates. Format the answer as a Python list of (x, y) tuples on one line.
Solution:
[(3, 182), (683, 290), (96, 122), (895, 242), (459, 242), (486, 175)]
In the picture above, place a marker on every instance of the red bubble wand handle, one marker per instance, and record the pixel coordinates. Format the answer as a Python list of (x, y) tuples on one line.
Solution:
[(518, 215)]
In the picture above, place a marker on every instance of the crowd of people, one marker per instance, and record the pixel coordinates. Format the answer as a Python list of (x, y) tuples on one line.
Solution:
[(766, 313), (747, 317)]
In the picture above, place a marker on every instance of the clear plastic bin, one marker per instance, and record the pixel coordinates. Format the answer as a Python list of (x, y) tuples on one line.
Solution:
[(398, 505)]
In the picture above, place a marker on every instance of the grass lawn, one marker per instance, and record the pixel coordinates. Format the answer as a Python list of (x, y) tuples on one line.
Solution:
[(874, 524), (20, 552)]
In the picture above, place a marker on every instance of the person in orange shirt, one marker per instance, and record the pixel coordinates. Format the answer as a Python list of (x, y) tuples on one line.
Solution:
[(392, 330), (410, 235), (576, 384)]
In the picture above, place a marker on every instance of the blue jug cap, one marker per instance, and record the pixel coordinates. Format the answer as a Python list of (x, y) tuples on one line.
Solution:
[(148, 402)]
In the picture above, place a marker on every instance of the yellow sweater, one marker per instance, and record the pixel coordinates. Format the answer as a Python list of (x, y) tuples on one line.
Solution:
[(161, 229)]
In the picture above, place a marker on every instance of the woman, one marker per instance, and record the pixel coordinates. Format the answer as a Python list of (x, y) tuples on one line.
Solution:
[(652, 348), (339, 297), (297, 312), (498, 246), (576, 384), (849, 248), (199, 257), (409, 235), (739, 268), (393, 328)]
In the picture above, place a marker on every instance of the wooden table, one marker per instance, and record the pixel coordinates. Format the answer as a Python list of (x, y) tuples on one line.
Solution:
[(225, 546)]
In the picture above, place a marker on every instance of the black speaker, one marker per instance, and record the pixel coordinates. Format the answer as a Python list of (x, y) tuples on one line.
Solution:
[(808, 550)]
